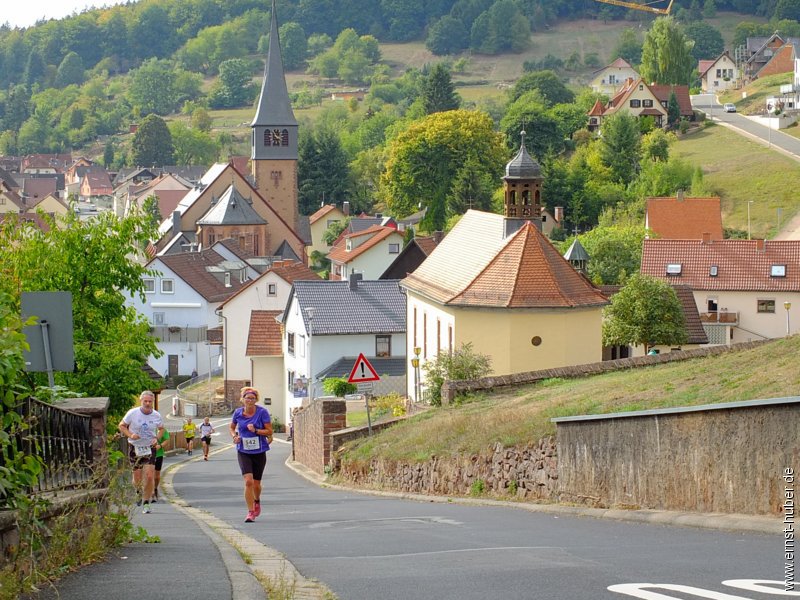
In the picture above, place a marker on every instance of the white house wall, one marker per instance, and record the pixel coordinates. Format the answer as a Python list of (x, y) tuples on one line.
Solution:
[(374, 261), (421, 333), (324, 351), (238, 310), (753, 325), (268, 378)]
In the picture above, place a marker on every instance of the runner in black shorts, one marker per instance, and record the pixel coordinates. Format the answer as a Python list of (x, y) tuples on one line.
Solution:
[(251, 429), (206, 429)]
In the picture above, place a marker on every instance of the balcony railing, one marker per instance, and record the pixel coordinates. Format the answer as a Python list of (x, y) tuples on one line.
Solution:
[(723, 317), (174, 333)]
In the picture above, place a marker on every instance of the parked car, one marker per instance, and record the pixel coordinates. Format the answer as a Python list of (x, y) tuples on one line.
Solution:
[(729, 107)]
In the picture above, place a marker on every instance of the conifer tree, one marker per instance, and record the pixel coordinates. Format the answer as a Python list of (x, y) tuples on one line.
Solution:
[(438, 92)]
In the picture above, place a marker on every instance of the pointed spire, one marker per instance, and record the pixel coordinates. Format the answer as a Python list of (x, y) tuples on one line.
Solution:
[(274, 107), (523, 165)]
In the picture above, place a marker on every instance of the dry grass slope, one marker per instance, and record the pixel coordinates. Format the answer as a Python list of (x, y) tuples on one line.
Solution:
[(522, 415)]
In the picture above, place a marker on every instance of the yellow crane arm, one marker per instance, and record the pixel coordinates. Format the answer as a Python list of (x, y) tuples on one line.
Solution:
[(635, 6)]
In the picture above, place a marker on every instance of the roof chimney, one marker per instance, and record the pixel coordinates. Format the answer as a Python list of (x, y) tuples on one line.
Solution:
[(438, 236), (558, 214), (706, 237), (760, 246), (346, 208), (176, 222), (354, 279)]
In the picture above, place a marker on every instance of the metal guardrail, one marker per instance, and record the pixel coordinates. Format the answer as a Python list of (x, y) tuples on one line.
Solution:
[(61, 438)]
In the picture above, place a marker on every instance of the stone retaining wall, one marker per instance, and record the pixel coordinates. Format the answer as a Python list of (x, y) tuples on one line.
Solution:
[(313, 424), (529, 473)]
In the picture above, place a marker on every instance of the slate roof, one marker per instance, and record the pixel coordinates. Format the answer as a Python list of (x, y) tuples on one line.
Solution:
[(274, 106), (385, 366), (478, 265), (232, 209), (695, 332), (522, 166), (576, 251), (264, 337), (6, 178), (685, 219), (373, 307), (742, 265), (35, 187), (194, 269), (289, 271), (376, 234)]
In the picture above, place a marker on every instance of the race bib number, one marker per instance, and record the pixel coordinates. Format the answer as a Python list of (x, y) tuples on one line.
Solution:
[(251, 443), (140, 451)]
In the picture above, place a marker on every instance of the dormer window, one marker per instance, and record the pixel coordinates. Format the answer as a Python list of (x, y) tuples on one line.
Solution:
[(349, 245), (674, 269), (778, 271), (713, 271)]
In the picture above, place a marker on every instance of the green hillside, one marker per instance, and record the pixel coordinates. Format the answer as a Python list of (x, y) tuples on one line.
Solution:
[(521, 415)]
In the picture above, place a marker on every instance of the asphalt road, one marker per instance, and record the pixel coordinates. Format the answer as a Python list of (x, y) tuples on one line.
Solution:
[(367, 547)]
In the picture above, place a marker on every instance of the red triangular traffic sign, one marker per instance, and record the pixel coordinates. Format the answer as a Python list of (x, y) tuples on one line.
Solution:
[(362, 371)]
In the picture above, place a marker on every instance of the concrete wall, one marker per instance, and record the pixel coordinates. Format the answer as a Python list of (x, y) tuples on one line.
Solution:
[(311, 442), (716, 458)]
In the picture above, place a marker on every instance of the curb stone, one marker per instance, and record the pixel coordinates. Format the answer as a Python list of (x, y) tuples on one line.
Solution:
[(232, 543), (718, 521)]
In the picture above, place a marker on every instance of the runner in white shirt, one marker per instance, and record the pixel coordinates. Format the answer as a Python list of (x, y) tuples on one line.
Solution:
[(139, 425)]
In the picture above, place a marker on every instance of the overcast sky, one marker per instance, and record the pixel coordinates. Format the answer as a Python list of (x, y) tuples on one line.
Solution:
[(24, 13)]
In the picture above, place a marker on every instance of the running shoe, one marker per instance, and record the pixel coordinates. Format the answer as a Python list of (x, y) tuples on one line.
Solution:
[(205, 458), (257, 508), (250, 517), (146, 509)]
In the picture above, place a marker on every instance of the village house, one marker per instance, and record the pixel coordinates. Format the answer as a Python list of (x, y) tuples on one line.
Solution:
[(610, 78), (719, 74), (744, 289)]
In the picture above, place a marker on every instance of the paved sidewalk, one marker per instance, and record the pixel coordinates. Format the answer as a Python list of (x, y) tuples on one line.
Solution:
[(191, 562)]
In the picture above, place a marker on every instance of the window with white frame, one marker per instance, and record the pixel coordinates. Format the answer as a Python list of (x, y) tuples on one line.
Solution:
[(149, 285), (159, 318), (290, 380), (167, 286), (290, 343), (383, 345)]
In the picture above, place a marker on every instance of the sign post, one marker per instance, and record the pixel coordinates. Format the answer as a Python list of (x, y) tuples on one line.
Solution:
[(363, 374)]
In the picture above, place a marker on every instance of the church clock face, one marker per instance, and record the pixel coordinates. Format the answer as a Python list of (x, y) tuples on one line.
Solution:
[(276, 137)]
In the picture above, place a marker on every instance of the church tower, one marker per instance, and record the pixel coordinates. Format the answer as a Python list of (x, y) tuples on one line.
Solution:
[(522, 187), (274, 143)]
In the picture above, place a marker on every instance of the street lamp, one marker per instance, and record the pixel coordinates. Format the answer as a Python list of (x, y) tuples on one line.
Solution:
[(310, 310), (415, 364), (787, 305)]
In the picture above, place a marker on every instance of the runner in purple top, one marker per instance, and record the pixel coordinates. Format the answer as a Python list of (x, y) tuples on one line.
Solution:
[(251, 429)]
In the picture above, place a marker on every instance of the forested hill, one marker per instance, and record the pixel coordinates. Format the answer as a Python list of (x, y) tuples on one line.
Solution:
[(119, 38)]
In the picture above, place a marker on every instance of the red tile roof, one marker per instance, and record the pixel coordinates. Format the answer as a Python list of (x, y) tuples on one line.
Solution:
[(294, 271), (530, 273), (705, 65), (192, 267), (378, 234), (663, 92), (781, 62), (687, 219), (264, 337), (426, 243), (742, 265), (324, 210), (596, 110)]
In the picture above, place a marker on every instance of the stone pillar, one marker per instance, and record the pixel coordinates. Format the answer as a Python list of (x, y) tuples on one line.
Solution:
[(313, 425), (97, 410)]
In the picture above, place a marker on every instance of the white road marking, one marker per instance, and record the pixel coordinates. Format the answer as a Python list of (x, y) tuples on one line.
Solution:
[(636, 590), (763, 586)]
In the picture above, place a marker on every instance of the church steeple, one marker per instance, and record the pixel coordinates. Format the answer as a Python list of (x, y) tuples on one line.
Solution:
[(522, 186), (274, 141)]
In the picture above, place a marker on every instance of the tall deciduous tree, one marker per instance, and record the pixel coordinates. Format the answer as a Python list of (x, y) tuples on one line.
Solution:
[(447, 36), (192, 146), (112, 342), (438, 92), (152, 143), (424, 160), (70, 70), (667, 54), (707, 40), (294, 46), (152, 88), (629, 46), (615, 252), (547, 83), (646, 312)]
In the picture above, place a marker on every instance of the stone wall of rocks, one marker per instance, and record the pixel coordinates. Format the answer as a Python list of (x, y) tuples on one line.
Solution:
[(529, 473)]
